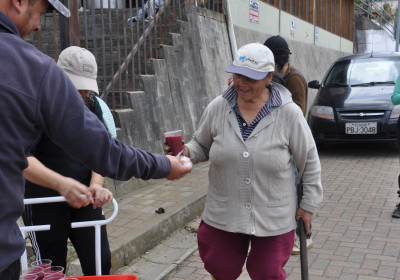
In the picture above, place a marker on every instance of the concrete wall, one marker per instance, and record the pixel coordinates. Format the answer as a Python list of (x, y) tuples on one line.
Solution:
[(191, 74), (370, 37)]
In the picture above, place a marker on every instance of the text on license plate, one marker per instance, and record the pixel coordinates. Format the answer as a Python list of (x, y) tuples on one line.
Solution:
[(361, 128)]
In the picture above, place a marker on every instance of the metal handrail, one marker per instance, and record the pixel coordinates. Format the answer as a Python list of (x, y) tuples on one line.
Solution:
[(97, 224), (122, 51), (128, 59), (389, 23)]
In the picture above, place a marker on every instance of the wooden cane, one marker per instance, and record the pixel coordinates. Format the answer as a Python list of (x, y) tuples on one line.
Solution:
[(302, 237)]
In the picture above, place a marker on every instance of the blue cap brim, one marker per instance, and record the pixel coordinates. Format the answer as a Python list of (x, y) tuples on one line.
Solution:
[(252, 74)]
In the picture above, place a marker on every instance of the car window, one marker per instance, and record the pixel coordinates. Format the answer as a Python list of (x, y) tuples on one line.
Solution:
[(338, 74), (367, 71)]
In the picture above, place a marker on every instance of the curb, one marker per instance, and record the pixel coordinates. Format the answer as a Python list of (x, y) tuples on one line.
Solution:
[(167, 256)]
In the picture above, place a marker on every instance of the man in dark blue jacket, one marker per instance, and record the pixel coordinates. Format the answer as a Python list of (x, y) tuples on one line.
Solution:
[(36, 98)]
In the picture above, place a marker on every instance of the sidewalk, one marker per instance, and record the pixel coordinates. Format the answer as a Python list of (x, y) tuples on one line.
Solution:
[(355, 236), (138, 228)]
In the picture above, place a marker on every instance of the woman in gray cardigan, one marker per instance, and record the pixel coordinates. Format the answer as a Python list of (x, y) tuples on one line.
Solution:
[(251, 134)]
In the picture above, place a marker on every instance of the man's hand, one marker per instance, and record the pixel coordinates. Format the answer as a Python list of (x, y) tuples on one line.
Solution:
[(178, 170), (101, 195), (72, 190), (307, 218)]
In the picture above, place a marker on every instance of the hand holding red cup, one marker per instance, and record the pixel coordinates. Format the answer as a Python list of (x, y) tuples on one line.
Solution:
[(174, 141)]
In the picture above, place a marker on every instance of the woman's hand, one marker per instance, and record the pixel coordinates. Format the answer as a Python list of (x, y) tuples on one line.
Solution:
[(100, 195), (167, 149), (306, 217)]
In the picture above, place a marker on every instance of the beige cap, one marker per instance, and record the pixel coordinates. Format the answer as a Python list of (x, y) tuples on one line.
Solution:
[(80, 66)]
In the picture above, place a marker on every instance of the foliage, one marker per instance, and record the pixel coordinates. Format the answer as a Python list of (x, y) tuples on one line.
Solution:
[(386, 13)]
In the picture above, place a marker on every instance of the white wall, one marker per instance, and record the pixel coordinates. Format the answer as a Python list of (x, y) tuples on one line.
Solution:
[(375, 41), (268, 16), (276, 22)]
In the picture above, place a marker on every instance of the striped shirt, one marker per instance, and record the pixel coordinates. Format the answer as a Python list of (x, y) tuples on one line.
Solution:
[(275, 101)]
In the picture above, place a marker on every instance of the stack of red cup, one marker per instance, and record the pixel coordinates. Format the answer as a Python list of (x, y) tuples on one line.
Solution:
[(43, 270)]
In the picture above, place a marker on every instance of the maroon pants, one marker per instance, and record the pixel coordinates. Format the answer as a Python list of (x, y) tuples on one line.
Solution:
[(224, 253)]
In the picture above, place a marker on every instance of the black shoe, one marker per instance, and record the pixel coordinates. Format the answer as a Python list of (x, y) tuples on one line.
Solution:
[(396, 212)]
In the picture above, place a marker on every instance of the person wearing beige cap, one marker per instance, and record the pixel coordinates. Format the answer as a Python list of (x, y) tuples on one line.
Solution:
[(250, 134), (38, 98), (80, 66)]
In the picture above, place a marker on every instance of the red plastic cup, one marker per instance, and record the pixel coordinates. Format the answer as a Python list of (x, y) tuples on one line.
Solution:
[(54, 270), (36, 270), (174, 140), (42, 263), (28, 276), (54, 276)]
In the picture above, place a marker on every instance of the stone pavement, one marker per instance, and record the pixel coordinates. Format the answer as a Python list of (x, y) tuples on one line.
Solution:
[(354, 235)]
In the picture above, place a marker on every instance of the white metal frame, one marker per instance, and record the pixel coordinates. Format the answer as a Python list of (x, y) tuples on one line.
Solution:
[(96, 224)]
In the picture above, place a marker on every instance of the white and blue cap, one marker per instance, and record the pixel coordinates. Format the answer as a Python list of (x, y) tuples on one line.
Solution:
[(56, 4), (252, 60)]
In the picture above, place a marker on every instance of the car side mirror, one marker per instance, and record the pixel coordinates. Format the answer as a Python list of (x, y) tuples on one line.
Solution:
[(314, 84)]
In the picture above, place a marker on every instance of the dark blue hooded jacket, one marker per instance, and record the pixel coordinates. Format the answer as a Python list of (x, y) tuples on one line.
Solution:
[(36, 97)]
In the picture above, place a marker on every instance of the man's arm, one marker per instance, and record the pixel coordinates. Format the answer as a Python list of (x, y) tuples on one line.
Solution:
[(69, 123), (71, 189)]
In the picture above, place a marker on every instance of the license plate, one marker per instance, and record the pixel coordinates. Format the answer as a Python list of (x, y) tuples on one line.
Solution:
[(361, 128)]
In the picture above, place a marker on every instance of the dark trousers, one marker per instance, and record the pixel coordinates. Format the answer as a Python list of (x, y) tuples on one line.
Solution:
[(52, 244), (398, 145), (398, 133), (11, 272)]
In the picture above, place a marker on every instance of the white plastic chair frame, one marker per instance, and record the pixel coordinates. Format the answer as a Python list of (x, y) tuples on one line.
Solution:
[(96, 224)]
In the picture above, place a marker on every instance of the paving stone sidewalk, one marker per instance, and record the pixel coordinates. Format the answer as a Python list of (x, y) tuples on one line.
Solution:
[(355, 236)]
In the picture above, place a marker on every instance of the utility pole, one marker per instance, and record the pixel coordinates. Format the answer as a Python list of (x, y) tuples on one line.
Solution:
[(231, 30), (397, 27)]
